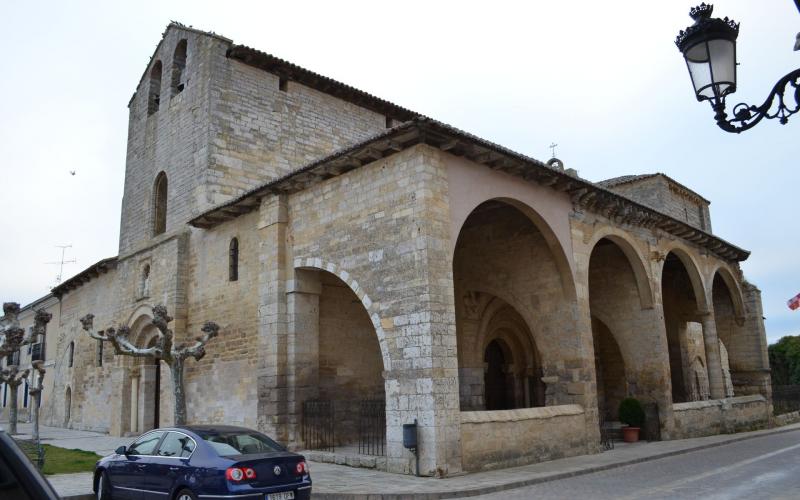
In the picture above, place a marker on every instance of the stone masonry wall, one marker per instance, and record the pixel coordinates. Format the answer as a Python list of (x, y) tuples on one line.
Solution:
[(663, 195), (721, 416), (259, 132), (386, 227), (497, 439)]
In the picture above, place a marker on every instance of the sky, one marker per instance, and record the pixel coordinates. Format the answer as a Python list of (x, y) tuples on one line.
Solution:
[(603, 80)]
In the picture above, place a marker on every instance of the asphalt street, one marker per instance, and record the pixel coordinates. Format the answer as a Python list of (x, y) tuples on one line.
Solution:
[(762, 468)]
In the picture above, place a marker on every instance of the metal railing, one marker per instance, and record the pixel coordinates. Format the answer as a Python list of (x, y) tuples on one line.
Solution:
[(372, 427), (785, 398), (318, 425)]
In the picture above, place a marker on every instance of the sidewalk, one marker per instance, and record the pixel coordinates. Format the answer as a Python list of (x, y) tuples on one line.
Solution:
[(342, 482)]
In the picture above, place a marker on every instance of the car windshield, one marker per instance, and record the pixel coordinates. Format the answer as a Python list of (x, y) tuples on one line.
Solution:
[(228, 443)]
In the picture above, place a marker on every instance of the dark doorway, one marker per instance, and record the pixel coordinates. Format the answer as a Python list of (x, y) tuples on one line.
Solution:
[(495, 378)]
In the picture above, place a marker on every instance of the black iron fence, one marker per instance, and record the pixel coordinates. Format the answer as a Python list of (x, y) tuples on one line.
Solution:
[(372, 428), (318, 428), (785, 398), (327, 425)]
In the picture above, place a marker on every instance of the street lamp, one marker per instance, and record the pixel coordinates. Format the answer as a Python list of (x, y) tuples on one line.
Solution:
[(709, 47)]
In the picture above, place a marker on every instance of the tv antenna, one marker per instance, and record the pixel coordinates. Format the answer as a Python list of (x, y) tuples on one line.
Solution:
[(61, 263)]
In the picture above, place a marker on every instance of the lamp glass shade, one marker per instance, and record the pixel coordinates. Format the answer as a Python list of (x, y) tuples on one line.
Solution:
[(712, 66)]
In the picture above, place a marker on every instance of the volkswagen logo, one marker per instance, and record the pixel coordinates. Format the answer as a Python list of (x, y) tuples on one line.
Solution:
[(277, 470)]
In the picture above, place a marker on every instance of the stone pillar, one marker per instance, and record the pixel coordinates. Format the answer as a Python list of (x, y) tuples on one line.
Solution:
[(715, 382), (134, 402), (273, 391), (303, 351), (121, 406), (147, 387)]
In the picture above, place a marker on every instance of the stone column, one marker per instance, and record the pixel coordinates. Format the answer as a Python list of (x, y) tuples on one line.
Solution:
[(273, 391), (120, 407), (134, 416), (303, 350), (147, 387), (715, 384)]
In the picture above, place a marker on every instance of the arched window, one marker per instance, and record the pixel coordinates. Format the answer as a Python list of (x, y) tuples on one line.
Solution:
[(144, 282), (154, 97), (160, 204), (233, 260), (178, 65), (71, 353)]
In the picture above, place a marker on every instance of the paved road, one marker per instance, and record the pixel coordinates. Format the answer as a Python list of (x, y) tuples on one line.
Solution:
[(763, 468)]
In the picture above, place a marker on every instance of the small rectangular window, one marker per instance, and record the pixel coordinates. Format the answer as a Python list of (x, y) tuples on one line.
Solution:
[(99, 353), (283, 84)]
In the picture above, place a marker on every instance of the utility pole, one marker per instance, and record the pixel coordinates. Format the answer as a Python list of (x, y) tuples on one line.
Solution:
[(62, 262)]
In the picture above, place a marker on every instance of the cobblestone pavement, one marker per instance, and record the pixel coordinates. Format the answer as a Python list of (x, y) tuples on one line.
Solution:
[(765, 467), (340, 482)]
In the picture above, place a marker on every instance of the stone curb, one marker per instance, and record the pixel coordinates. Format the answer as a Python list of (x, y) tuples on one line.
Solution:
[(470, 492)]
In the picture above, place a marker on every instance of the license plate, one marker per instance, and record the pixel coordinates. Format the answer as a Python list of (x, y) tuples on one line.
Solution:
[(284, 495)]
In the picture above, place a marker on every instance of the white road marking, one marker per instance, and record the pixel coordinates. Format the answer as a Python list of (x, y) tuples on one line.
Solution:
[(721, 470)]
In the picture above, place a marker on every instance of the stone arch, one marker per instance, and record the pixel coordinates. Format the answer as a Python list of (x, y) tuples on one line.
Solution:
[(154, 88), (160, 203), (557, 250), (178, 67), (371, 307), (734, 290), (637, 262), (485, 335), (693, 270)]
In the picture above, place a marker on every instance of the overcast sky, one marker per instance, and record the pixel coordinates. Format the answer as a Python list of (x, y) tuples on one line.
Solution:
[(604, 80)]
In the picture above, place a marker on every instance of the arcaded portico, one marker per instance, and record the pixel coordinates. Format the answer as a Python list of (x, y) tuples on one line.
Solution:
[(370, 268)]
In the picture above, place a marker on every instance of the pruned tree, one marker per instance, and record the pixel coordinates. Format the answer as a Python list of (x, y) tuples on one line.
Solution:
[(40, 321), (164, 349), (12, 375)]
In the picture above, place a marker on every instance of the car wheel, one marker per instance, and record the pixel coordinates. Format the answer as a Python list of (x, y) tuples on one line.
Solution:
[(186, 495), (103, 487)]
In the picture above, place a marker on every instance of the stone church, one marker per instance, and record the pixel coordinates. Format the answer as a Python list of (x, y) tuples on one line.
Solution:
[(371, 267)]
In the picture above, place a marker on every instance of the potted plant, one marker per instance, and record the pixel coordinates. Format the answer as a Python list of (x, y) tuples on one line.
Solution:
[(632, 414)]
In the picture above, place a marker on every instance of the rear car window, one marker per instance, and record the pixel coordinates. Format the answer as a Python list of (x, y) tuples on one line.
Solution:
[(229, 443)]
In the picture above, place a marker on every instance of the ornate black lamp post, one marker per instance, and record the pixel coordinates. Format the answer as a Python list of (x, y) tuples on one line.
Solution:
[(709, 47)]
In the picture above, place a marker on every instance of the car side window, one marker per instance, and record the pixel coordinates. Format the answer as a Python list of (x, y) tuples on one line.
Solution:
[(146, 444), (176, 445)]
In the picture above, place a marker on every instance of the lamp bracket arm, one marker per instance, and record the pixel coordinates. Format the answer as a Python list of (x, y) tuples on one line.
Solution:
[(746, 116)]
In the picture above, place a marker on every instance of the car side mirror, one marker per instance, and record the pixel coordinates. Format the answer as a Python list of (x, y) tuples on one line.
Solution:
[(121, 450)]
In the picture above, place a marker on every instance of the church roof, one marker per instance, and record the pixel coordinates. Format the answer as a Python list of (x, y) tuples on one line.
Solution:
[(631, 179), (85, 276), (422, 130)]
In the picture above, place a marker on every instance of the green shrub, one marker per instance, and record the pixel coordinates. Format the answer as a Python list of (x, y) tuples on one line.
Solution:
[(631, 412)]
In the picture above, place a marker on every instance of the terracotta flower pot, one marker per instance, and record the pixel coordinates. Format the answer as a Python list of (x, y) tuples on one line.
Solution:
[(630, 434)]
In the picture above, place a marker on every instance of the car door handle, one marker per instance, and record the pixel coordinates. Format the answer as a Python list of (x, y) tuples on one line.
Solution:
[(174, 468), (141, 467)]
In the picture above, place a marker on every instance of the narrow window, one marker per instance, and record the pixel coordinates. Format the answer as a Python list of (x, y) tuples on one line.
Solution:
[(233, 260), (71, 353), (178, 65), (5, 395), (154, 97), (283, 84), (25, 396), (160, 204), (389, 122), (99, 353)]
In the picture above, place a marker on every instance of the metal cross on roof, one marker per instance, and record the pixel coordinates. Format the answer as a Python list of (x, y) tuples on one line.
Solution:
[(552, 147)]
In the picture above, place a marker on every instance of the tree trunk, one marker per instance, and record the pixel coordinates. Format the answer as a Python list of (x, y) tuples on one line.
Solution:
[(35, 416), (176, 370), (12, 409)]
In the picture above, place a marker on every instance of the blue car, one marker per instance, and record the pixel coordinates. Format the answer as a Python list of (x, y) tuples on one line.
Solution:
[(199, 462)]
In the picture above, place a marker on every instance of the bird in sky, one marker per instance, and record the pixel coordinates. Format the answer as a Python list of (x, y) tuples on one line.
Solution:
[(71, 172)]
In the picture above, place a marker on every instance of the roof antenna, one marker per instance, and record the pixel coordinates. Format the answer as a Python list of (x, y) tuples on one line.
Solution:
[(61, 262)]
